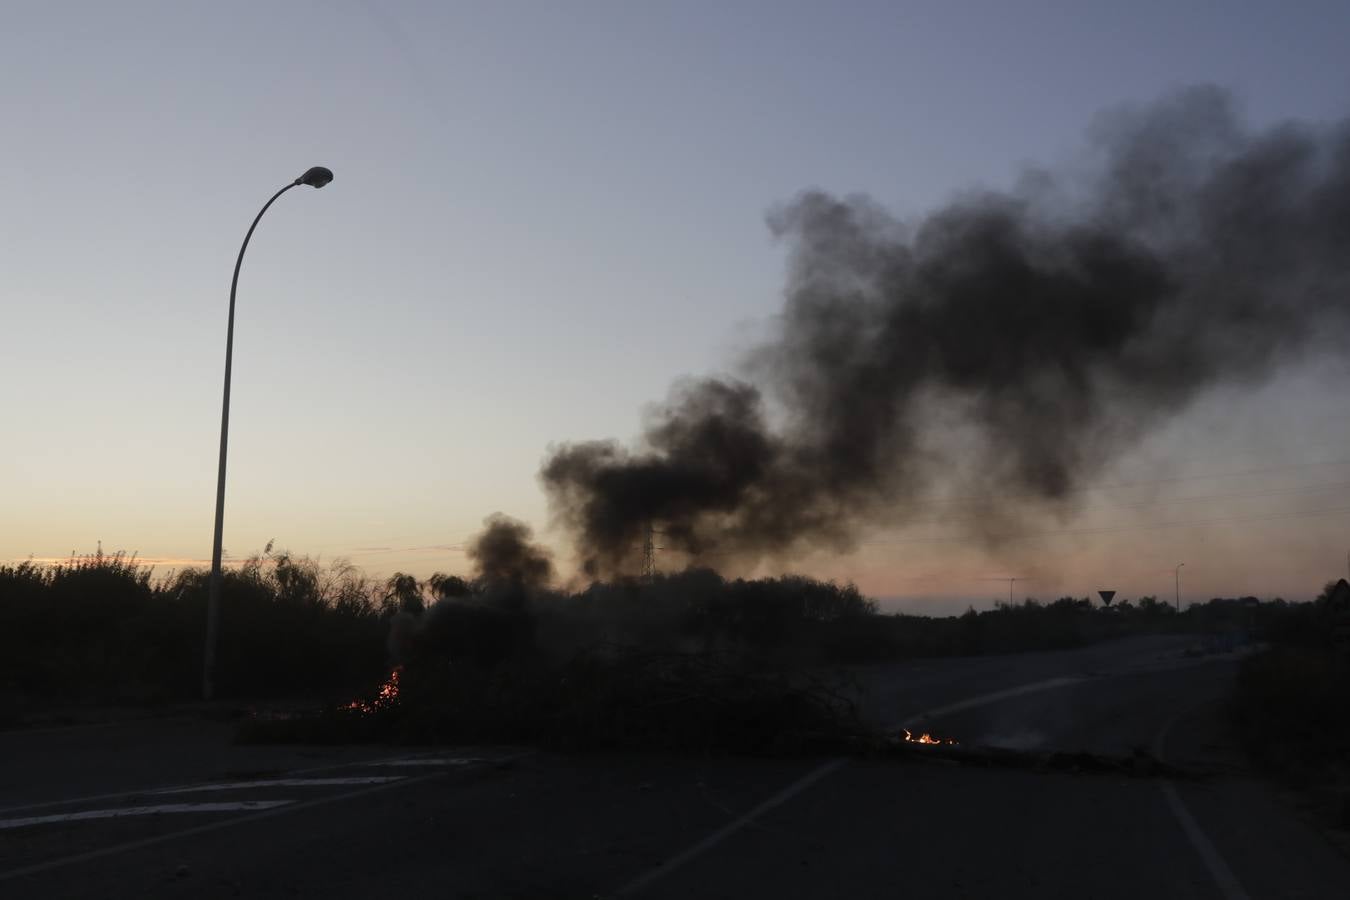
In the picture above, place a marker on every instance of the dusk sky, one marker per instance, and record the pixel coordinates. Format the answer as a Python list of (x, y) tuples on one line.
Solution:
[(544, 214)]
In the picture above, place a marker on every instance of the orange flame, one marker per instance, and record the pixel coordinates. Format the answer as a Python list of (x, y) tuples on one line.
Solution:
[(384, 698), (925, 738)]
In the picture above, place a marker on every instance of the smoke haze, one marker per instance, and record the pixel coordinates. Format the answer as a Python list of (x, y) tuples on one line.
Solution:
[(1008, 345)]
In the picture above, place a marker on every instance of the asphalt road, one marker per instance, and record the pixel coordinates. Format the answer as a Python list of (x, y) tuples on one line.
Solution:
[(171, 809)]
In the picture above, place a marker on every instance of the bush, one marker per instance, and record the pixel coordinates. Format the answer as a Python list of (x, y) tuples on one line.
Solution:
[(75, 624), (99, 629), (1291, 706)]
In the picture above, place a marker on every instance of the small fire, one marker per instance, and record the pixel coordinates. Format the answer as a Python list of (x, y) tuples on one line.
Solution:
[(925, 738), (386, 697)]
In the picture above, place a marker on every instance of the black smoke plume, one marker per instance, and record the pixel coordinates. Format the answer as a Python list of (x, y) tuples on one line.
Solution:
[(1009, 344), (486, 620), (503, 555)]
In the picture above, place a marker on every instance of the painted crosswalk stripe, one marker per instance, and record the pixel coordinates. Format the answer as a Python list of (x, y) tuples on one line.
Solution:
[(161, 809), (279, 782)]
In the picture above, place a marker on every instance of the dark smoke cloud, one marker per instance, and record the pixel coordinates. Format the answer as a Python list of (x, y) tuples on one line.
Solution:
[(503, 555), (1007, 345), (483, 620)]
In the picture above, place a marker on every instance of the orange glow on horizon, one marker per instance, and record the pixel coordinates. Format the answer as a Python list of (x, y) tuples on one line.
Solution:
[(173, 561)]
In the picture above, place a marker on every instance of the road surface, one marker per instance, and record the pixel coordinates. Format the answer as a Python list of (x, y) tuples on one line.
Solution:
[(170, 808)]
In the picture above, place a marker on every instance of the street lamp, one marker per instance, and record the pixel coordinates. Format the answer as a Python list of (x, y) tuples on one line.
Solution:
[(1177, 573), (316, 177)]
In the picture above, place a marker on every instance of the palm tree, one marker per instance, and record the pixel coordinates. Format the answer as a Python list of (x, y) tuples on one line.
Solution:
[(402, 592)]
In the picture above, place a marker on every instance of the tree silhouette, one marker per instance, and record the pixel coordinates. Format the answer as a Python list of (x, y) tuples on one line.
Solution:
[(403, 594)]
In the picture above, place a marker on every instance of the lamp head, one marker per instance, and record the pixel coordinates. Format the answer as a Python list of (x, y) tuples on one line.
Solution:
[(316, 177)]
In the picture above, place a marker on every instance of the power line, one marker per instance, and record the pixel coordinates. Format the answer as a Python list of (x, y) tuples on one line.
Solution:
[(1199, 498), (438, 548), (1125, 485), (1067, 532), (649, 560), (1145, 526)]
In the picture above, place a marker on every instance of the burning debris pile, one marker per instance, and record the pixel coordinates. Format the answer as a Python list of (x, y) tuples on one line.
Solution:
[(473, 667), (385, 698), (1040, 331), (926, 739)]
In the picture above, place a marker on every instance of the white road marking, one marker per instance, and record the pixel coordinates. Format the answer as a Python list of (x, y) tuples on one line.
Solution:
[(994, 697), (204, 829), (126, 811), (431, 761), (145, 791), (57, 729), (1223, 876), (142, 792), (278, 782), (817, 774), (230, 822), (721, 834), (357, 764)]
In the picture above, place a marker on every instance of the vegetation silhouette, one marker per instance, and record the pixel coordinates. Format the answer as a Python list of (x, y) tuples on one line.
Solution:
[(101, 628), (690, 660), (1291, 703)]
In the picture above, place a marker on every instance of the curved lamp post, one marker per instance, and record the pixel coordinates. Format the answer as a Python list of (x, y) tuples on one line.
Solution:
[(316, 177)]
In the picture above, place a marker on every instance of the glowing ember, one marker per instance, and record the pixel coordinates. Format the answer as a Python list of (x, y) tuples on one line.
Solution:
[(925, 738), (386, 697)]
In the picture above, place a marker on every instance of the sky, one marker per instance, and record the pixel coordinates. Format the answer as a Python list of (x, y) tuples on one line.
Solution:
[(542, 215)]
